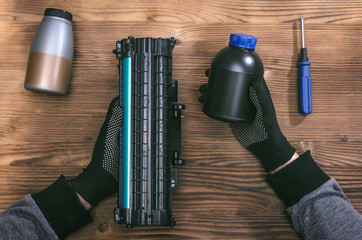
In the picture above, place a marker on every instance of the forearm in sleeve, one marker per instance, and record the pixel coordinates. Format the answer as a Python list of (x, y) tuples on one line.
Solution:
[(24, 220), (50, 214), (317, 205)]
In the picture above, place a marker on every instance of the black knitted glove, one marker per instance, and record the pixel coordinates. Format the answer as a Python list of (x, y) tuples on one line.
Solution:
[(100, 178), (262, 136)]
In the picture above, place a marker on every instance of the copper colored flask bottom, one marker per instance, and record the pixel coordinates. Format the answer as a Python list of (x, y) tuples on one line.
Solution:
[(47, 73)]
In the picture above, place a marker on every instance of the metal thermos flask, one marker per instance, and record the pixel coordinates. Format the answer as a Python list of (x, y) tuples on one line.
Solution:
[(51, 54), (232, 72)]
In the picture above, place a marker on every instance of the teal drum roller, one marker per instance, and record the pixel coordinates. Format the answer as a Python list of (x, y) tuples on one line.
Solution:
[(127, 110)]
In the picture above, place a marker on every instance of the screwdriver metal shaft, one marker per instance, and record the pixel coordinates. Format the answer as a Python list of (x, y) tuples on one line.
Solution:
[(305, 82), (303, 41)]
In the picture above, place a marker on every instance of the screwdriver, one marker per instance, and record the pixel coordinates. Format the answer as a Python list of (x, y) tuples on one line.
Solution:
[(305, 83)]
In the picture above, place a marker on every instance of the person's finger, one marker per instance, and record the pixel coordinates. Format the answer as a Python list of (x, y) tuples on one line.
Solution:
[(207, 71), (202, 88), (201, 99)]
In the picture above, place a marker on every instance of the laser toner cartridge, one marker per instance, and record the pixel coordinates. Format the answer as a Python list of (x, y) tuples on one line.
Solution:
[(150, 137)]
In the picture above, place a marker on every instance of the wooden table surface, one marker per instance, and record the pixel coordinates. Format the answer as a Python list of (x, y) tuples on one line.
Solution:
[(222, 193)]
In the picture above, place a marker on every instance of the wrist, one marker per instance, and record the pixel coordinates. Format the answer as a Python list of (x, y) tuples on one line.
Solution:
[(85, 204), (295, 156), (94, 185), (82, 201), (273, 152), (297, 179)]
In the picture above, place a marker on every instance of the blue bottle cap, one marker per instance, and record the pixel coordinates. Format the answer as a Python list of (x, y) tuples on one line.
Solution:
[(242, 40)]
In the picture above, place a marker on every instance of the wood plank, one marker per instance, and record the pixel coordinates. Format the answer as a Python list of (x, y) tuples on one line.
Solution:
[(189, 11), (199, 149)]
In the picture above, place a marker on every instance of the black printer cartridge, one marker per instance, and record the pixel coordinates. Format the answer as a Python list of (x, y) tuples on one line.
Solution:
[(150, 137)]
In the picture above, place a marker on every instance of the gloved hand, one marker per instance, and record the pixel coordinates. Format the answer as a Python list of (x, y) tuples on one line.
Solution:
[(100, 178), (262, 136)]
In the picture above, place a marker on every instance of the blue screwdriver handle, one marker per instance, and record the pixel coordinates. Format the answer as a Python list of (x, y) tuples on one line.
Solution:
[(305, 88)]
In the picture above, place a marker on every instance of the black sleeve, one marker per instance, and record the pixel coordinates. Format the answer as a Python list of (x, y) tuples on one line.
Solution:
[(296, 180), (62, 208)]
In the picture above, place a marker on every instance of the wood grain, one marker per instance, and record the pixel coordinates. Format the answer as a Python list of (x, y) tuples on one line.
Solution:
[(222, 192)]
